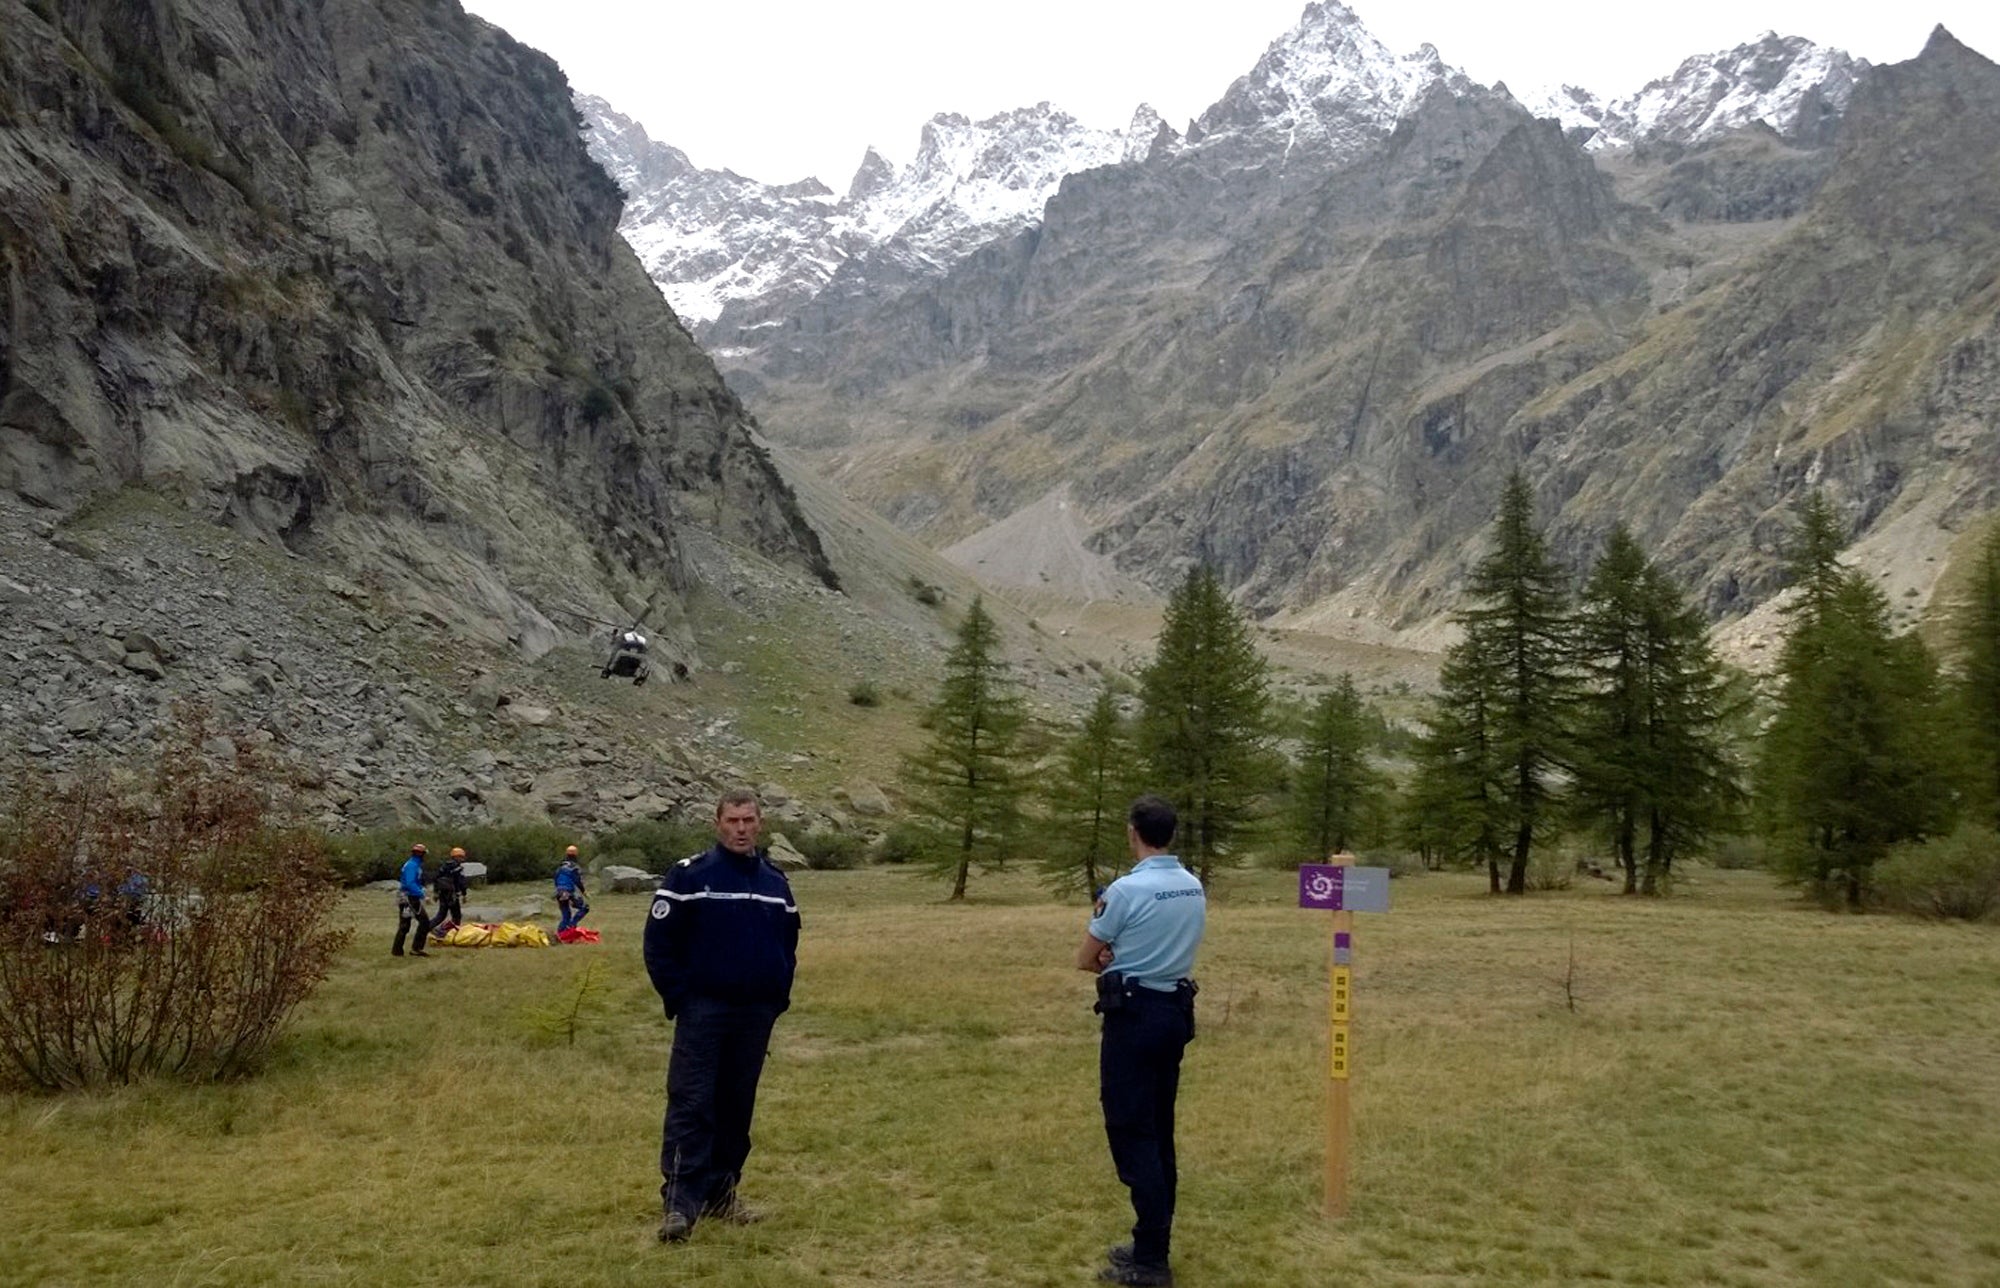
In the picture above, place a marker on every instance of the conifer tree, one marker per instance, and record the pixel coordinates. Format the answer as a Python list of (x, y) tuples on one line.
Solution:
[(965, 782), (1087, 798), (1519, 618), (1651, 760), (1202, 717), (1335, 791), (1855, 758), (1976, 634), (1456, 798)]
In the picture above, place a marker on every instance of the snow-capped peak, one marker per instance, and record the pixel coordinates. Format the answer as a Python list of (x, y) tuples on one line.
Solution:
[(710, 237), (1328, 84), (1770, 80), (982, 176)]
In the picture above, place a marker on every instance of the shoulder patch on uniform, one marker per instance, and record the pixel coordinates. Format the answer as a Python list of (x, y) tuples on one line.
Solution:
[(661, 907), (689, 859)]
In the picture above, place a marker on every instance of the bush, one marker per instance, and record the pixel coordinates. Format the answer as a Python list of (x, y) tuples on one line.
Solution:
[(826, 850), (904, 843), (655, 844), (864, 694), (1738, 853), (1950, 876), (511, 852), (1550, 870), (170, 930)]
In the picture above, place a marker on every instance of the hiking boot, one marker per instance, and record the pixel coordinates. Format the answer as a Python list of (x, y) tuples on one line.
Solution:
[(731, 1211), (419, 953), (1135, 1275), (675, 1228), (1120, 1254)]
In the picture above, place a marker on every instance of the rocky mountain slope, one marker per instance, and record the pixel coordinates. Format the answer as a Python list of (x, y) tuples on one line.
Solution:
[(329, 394), (1315, 377)]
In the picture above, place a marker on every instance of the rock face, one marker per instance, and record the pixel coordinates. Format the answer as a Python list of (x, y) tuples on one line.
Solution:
[(344, 277), (1307, 343), (328, 392)]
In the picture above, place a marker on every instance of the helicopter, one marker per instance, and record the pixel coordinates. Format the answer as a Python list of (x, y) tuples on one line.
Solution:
[(628, 656), (627, 659)]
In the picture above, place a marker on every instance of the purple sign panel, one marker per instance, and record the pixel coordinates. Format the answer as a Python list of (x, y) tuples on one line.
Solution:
[(1326, 885)]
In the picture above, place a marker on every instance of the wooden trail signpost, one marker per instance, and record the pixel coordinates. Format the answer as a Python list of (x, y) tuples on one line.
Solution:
[(1346, 889)]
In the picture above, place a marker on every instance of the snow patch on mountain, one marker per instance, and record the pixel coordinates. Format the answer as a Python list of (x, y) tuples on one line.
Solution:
[(709, 237), (1328, 86), (1776, 80)]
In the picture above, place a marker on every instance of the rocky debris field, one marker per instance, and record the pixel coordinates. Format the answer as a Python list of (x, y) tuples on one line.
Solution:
[(386, 719)]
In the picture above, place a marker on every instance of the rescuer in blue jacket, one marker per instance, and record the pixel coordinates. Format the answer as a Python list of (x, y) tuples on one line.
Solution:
[(721, 944), (569, 892), (410, 904)]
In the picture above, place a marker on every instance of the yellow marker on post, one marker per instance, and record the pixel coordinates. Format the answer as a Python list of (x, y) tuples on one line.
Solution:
[(1346, 889)]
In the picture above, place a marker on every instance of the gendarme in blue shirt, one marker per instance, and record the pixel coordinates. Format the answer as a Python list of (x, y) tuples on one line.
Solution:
[(1153, 918)]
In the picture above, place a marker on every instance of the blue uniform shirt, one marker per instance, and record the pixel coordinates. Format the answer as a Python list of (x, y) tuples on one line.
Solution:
[(413, 877), (1153, 918)]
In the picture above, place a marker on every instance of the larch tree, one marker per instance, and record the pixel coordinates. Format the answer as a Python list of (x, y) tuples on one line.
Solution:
[(1652, 761), (1086, 799), (1202, 730), (1976, 643), (965, 782), (1856, 756), (1519, 619), (1335, 790)]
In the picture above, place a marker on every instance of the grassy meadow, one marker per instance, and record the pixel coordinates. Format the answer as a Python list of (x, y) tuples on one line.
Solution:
[(1747, 1092)]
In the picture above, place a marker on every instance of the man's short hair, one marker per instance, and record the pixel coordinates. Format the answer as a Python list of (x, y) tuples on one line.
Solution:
[(737, 796), (1154, 820)]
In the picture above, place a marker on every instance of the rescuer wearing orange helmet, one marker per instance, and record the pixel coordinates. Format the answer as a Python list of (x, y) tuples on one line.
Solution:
[(449, 883)]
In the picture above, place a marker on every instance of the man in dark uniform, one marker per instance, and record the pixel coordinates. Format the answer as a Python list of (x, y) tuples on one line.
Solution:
[(721, 945), (1142, 945)]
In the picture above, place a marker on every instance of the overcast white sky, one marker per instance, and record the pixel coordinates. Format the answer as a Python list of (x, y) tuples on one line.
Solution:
[(779, 89)]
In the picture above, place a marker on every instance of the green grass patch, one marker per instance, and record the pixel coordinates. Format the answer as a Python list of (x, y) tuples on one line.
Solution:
[(1749, 1093)]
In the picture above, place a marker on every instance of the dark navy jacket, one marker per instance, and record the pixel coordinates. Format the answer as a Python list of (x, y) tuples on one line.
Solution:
[(723, 926)]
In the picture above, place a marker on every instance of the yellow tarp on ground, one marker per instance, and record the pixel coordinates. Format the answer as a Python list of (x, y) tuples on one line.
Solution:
[(505, 934)]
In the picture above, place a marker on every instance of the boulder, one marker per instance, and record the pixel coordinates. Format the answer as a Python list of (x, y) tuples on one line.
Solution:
[(484, 912), (393, 807), (146, 664), (647, 805), (421, 715), (866, 799), (475, 875), (84, 719), (773, 795), (486, 694), (782, 853), (141, 642), (387, 887), (616, 878)]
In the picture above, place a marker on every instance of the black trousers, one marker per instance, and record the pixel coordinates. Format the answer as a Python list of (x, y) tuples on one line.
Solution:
[(1138, 1078), (449, 909), (408, 910), (712, 1077)]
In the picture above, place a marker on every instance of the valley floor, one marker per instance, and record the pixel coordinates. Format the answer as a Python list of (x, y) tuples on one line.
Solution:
[(1747, 1092)]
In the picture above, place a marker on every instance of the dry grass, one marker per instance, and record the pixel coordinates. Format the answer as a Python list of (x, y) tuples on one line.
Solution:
[(1749, 1093)]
